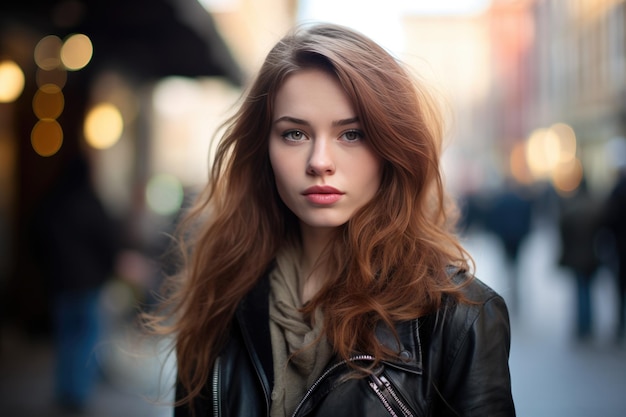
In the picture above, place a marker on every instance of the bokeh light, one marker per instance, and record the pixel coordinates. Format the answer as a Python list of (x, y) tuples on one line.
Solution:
[(174, 96), (76, 52), (11, 81), (164, 194), (48, 52), (519, 165), (46, 137), (542, 152), (567, 176), (567, 141), (103, 126), (549, 149), (48, 102), (56, 76)]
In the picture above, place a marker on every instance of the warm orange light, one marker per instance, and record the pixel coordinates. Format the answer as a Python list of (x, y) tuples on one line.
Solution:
[(48, 52), (48, 102), (46, 137), (567, 176), (542, 152), (567, 141), (11, 81), (519, 165), (103, 126), (550, 149), (57, 76), (76, 52)]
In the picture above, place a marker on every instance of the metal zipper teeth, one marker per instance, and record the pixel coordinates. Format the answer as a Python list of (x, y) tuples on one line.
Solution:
[(325, 374), (405, 410), (382, 399), (215, 381)]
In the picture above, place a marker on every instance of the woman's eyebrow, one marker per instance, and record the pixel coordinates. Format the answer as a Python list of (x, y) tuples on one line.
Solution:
[(344, 122), (341, 122), (292, 120)]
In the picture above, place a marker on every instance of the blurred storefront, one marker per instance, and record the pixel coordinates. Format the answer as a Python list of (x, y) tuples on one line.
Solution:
[(579, 68), (139, 87)]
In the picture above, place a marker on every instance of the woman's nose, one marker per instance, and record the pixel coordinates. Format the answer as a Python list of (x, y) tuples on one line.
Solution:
[(321, 161)]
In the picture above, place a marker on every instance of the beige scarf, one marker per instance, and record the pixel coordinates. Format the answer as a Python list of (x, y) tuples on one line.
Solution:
[(293, 375)]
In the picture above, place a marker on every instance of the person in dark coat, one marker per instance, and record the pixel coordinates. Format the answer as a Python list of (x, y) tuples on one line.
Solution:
[(509, 218), (579, 226), (616, 223), (77, 244)]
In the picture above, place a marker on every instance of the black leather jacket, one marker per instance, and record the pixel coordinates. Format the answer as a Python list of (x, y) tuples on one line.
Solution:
[(452, 363)]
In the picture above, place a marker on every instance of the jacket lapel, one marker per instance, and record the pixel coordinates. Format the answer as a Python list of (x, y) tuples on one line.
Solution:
[(407, 346), (253, 317)]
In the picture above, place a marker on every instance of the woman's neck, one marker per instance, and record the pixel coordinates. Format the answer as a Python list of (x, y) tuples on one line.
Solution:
[(314, 242)]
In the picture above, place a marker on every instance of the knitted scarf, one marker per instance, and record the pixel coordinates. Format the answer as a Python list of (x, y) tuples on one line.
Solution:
[(297, 362)]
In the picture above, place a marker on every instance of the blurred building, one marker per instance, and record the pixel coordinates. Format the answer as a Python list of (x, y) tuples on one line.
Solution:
[(453, 53), (579, 72), (537, 89)]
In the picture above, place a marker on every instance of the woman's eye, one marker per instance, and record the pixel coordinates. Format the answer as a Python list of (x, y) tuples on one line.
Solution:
[(294, 135), (353, 135)]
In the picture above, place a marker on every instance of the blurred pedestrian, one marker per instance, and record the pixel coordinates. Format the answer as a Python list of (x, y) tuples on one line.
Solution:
[(509, 218), (616, 223), (77, 243), (324, 277), (580, 223)]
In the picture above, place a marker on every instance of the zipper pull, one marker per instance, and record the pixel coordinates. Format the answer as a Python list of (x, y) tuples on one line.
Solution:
[(388, 396)]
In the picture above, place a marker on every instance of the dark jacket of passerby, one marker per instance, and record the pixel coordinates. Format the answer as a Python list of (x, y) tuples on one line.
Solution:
[(579, 224), (616, 223), (76, 239), (510, 218), (615, 215)]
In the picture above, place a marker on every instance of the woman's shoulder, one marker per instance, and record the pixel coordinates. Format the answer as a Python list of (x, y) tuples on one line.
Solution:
[(476, 307), (466, 345), (473, 290)]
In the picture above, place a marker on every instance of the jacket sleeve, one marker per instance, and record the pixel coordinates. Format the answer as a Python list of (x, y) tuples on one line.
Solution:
[(477, 381), (180, 410)]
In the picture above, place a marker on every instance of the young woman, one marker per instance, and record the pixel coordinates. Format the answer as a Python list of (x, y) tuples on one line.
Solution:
[(324, 277)]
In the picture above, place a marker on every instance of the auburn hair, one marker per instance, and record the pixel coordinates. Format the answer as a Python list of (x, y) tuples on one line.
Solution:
[(390, 262)]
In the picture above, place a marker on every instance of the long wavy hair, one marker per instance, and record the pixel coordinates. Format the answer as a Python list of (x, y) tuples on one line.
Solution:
[(388, 263)]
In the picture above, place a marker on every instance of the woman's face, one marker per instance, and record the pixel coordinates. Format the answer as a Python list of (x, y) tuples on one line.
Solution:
[(324, 167)]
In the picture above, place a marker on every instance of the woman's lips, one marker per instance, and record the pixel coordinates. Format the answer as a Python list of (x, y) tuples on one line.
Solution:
[(322, 195)]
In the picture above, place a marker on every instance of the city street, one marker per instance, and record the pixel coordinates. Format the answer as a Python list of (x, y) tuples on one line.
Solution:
[(552, 374)]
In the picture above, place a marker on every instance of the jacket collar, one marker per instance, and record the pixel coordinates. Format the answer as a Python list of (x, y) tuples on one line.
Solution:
[(407, 346), (253, 317)]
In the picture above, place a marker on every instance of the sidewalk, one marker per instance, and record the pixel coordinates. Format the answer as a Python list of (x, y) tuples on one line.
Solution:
[(129, 387)]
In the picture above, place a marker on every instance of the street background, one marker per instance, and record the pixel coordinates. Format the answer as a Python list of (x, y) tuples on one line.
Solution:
[(534, 93)]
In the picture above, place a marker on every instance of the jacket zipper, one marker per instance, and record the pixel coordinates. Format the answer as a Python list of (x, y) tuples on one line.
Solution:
[(382, 399), (215, 384), (376, 382), (384, 390), (325, 374)]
